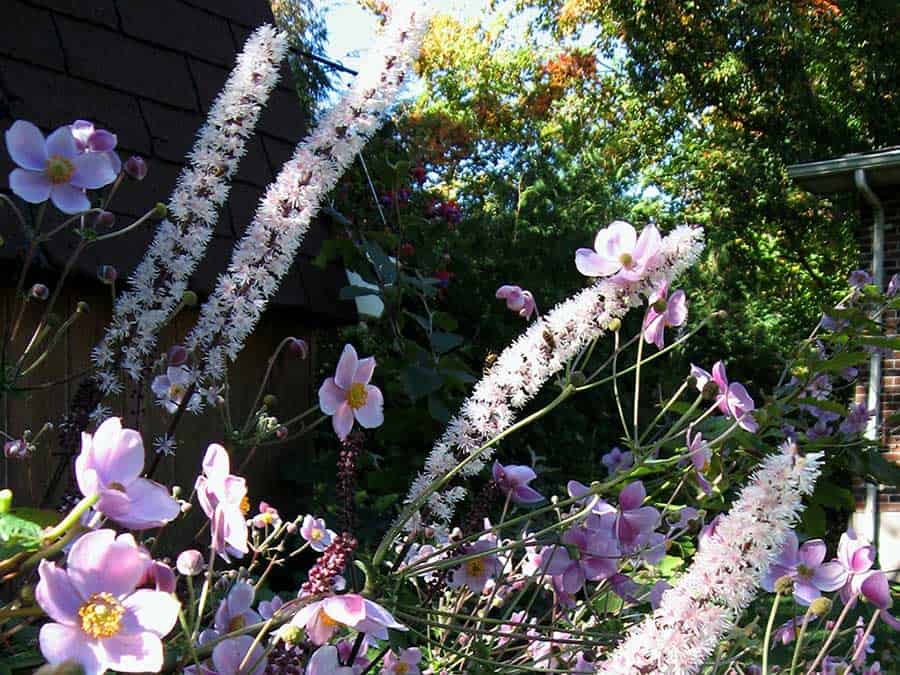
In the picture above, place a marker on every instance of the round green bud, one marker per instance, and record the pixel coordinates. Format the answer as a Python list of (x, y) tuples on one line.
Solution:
[(160, 211), (269, 400), (82, 307), (784, 585), (6, 496), (820, 606), (578, 379), (614, 325), (189, 299), (290, 634)]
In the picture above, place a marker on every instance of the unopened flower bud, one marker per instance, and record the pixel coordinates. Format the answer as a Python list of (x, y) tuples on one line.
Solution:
[(107, 274), (291, 528), (614, 325), (6, 496), (185, 507), (189, 563), (659, 306), (820, 606), (298, 347), (269, 400), (103, 220), (176, 491), (290, 634), (15, 449), (160, 211), (189, 299), (784, 585), (82, 307), (39, 292), (281, 432), (135, 167), (163, 577), (578, 379), (176, 356)]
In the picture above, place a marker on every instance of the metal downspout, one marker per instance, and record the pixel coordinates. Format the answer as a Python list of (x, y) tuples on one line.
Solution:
[(873, 398)]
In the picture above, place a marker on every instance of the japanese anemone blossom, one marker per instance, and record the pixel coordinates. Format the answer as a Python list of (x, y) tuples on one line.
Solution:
[(805, 565), (663, 312), (322, 618), (513, 481), (326, 661), (54, 167), (99, 620), (110, 465), (732, 398), (228, 655), (474, 573), (618, 252), (223, 498), (856, 556), (517, 300), (90, 139), (348, 395)]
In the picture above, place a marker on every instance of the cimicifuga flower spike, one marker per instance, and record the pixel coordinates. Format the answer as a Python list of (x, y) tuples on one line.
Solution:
[(527, 364), (158, 283), (694, 615), (262, 258)]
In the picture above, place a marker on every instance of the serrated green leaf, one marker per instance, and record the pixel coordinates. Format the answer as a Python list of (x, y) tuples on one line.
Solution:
[(18, 535)]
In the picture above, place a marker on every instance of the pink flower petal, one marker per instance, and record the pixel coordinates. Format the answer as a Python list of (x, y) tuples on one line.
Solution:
[(346, 367), (812, 553), (677, 309), (150, 610), (618, 238), (364, 370), (98, 562), (56, 594), (62, 143), (648, 246), (216, 463), (32, 186), (26, 147), (830, 577), (62, 643), (69, 199), (93, 170), (116, 453), (371, 415), (342, 421), (632, 496), (228, 655), (136, 653), (150, 505), (876, 590), (347, 609), (331, 396), (592, 265)]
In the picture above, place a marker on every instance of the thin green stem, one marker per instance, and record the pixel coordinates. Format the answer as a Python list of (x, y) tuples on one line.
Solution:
[(834, 631), (768, 636)]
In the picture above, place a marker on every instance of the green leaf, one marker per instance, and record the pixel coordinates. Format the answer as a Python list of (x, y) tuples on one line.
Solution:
[(444, 342), (17, 535), (384, 266), (841, 361), (420, 381), (350, 292)]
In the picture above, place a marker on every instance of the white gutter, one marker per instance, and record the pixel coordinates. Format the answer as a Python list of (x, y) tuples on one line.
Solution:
[(873, 398)]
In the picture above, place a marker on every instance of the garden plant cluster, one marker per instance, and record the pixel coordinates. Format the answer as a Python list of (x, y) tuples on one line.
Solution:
[(684, 553)]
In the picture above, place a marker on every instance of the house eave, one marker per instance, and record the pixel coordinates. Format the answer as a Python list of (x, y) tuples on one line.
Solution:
[(836, 175)]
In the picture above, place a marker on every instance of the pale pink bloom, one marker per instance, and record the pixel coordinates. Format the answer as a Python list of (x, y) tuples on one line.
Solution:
[(474, 573), (404, 663), (517, 300), (325, 661), (348, 395), (99, 618), (513, 481), (109, 465), (806, 565), (314, 531), (663, 312), (228, 655), (322, 618), (620, 253), (221, 496), (235, 611), (732, 398)]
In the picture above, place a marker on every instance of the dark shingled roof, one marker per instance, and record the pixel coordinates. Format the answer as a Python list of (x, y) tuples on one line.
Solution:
[(148, 70)]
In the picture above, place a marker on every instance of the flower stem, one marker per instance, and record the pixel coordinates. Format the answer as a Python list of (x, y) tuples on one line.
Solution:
[(831, 636), (768, 637), (71, 519), (802, 634)]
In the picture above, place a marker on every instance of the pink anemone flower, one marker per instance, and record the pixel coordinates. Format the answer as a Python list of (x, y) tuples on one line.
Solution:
[(805, 565), (54, 167), (99, 619), (326, 661), (109, 465), (517, 300), (513, 481), (222, 497), (618, 252), (322, 618), (404, 663), (732, 398), (664, 312), (348, 395)]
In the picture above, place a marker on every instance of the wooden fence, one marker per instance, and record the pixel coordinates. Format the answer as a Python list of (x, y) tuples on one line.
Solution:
[(291, 382)]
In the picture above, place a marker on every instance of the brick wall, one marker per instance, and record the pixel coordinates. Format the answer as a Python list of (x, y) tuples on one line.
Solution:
[(889, 498), (148, 71)]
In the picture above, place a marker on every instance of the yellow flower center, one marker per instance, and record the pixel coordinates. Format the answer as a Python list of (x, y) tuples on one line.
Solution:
[(176, 391), (101, 615), (328, 621), (236, 623), (316, 534), (475, 567), (245, 505), (626, 260), (59, 170), (357, 395), (401, 668)]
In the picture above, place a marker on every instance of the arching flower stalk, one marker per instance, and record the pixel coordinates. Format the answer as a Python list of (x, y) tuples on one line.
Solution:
[(692, 617), (265, 254), (538, 354), (157, 285)]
